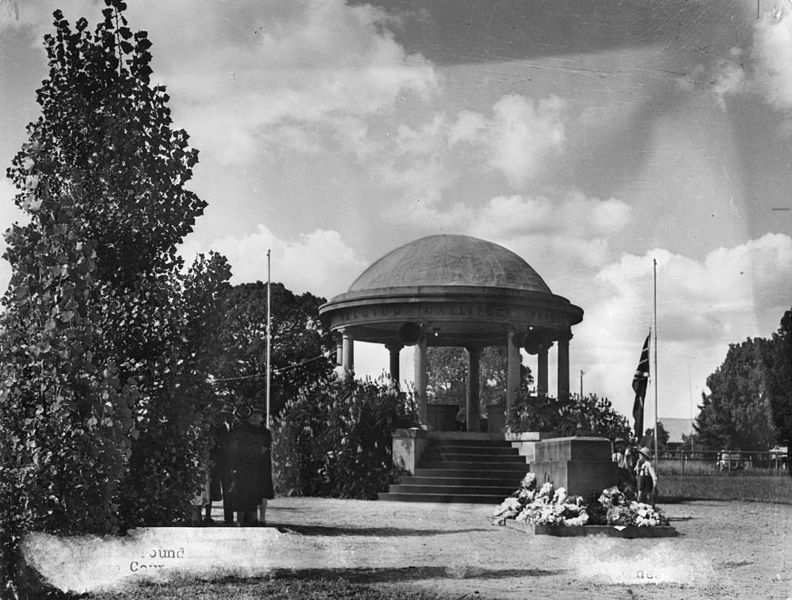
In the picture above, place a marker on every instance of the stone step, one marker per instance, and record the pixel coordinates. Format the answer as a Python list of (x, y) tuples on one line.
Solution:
[(464, 463), (466, 471), (508, 459), (511, 481), (477, 443), (444, 498), (465, 449), (408, 487)]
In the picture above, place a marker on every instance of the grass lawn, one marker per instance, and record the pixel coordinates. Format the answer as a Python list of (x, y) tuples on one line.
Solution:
[(285, 587), (735, 486)]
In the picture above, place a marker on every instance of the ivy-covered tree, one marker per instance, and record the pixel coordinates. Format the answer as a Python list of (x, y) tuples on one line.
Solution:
[(302, 351), (736, 413), (104, 340), (778, 361)]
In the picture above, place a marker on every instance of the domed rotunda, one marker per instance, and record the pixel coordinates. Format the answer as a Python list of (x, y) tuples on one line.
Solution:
[(455, 290)]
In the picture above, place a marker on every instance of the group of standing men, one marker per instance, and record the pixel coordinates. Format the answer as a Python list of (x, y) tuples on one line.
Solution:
[(241, 465), (636, 475)]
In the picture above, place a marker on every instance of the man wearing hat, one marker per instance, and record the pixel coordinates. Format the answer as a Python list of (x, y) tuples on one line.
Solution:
[(625, 464), (220, 474), (250, 465), (646, 478)]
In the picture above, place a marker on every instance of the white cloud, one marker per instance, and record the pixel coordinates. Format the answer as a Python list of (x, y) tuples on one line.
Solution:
[(768, 72), (562, 232), (251, 75), (729, 79), (315, 65), (424, 162), (523, 133), (318, 262), (467, 127), (771, 52), (519, 137), (703, 306), (570, 214)]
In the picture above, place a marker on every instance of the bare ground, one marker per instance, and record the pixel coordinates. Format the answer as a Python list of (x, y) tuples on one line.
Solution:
[(724, 550)]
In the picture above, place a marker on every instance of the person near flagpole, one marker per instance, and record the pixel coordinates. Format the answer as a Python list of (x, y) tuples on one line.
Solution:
[(646, 477), (625, 464)]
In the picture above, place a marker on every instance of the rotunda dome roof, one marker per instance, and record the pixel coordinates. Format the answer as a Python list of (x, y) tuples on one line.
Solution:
[(450, 260)]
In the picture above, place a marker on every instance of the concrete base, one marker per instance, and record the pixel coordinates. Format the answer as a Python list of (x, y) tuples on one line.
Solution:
[(582, 465), (606, 530), (526, 442)]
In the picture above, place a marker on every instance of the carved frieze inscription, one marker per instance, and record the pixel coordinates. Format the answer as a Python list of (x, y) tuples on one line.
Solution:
[(446, 312)]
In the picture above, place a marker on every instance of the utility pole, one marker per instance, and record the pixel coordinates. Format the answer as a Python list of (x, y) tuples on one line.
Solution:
[(582, 372)]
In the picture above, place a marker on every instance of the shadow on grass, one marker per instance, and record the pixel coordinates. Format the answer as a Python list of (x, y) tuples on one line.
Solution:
[(369, 531), (402, 574)]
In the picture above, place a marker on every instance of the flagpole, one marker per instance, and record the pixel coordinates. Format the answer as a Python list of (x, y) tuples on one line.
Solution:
[(654, 262), (269, 338)]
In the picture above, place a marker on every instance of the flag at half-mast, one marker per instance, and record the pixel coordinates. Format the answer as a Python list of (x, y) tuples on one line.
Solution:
[(640, 381)]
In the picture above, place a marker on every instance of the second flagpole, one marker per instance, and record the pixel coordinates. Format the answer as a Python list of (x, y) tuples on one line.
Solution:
[(269, 338), (654, 263)]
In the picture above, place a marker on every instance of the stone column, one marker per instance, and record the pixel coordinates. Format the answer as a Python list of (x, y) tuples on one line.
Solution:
[(541, 376), (348, 350), (394, 350), (339, 349), (563, 367), (512, 372), (472, 414), (421, 378)]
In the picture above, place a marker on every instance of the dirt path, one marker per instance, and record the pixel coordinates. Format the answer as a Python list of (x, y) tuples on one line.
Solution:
[(725, 550)]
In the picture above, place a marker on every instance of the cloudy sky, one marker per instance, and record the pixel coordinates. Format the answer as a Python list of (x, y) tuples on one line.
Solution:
[(588, 137)]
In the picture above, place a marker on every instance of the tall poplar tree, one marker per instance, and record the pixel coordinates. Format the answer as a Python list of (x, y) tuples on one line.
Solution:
[(105, 341)]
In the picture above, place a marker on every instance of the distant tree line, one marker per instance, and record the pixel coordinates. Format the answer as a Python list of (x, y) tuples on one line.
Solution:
[(748, 405)]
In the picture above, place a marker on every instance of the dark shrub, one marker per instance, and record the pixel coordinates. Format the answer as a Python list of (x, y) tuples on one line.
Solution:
[(334, 439)]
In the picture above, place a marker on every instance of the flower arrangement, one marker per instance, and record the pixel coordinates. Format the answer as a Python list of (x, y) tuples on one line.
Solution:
[(547, 506), (550, 506)]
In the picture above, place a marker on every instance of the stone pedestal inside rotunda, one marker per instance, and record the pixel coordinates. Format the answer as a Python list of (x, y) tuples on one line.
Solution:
[(582, 465)]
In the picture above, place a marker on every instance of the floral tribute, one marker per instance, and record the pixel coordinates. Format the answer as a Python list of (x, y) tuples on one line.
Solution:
[(550, 506)]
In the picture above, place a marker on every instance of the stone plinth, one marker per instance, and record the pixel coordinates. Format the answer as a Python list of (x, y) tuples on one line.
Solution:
[(582, 465), (408, 445), (525, 442)]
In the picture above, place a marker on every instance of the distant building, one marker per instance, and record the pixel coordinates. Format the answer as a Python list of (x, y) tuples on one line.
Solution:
[(676, 428)]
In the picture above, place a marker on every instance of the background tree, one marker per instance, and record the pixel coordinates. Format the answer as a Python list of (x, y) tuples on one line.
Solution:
[(302, 351), (105, 341), (647, 440), (778, 362), (736, 413), (589, 415), (447, 370)]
